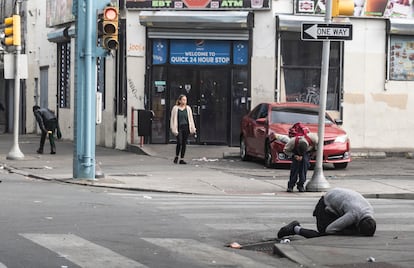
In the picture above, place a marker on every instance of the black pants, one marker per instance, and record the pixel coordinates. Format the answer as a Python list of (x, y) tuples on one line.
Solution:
[(298, 169), (50, 125), (182, 138), (323, 219)]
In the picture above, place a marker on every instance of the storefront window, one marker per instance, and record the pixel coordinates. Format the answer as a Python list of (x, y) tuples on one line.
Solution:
[(401, 58), (301, 70)]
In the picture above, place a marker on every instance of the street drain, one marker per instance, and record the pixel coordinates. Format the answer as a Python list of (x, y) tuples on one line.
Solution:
[(129, 175), (266, 246)]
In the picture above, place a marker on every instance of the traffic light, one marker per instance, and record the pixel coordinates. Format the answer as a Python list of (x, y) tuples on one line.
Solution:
[(342, 8), (108, 28), (12, 31)]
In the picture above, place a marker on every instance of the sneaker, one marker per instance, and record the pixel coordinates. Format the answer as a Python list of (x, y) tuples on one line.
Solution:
[(183, 162), (289, 190), (288, 229), (39, 151), (52, 152), (176, 160), (301, 189)]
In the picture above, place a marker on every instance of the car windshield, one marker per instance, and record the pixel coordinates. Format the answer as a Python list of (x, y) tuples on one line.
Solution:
[(293, 116)]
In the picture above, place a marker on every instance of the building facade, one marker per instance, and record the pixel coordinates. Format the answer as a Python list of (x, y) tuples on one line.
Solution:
[(228, 56)]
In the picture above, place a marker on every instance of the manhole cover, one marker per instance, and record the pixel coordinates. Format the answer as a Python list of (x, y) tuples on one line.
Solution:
[(266, 246)]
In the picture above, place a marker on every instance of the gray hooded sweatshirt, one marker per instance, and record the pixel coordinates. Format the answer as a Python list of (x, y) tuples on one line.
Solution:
[(350, 206)]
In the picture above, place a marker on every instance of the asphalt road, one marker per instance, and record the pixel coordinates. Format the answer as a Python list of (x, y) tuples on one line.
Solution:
[(50, 224)]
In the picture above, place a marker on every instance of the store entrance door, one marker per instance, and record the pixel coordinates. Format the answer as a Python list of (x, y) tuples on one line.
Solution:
[(206, 91)]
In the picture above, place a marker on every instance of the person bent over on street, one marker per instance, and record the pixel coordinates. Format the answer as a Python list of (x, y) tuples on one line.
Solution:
[(340, 212), (299, 148), (48, 124)]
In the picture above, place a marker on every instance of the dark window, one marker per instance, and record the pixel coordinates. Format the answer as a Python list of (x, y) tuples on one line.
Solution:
[(301, 66), (64, 74)]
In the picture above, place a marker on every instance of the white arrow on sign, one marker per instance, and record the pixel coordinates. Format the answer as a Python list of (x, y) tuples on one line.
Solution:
[(312, 31)]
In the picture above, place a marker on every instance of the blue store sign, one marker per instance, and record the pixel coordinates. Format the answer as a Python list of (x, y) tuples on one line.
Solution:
[(200, 52)]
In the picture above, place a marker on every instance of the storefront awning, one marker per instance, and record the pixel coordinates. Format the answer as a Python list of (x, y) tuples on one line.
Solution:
[(400, 26), (228, 25), (197, 19), (294, 23)]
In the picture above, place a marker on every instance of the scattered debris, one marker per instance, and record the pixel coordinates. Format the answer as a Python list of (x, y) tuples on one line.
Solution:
[(147, 197), (285, 241), (371, 259), (205, 159), (235, 245)]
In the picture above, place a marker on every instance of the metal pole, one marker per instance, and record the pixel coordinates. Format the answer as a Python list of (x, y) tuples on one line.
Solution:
[(15, 152), (318, 182), (85, 90)]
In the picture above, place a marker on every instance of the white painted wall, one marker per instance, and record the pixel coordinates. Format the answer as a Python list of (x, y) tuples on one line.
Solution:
[(374, 109), (135, 69), (263, 63), (40, 53)]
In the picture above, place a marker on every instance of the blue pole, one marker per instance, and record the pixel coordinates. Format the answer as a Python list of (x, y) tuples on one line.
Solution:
[(85, 12)]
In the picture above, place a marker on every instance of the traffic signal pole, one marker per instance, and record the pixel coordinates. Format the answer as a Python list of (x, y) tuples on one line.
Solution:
[(318, 181), (86, 52), (15, 152)]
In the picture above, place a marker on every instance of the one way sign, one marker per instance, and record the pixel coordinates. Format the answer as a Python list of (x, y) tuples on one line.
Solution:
[(317, 32)]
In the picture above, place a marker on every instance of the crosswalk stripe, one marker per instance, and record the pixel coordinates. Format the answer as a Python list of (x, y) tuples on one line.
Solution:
[(81, 251), (204, 254)]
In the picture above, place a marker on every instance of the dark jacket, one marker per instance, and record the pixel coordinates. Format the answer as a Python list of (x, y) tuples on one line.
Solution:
[(44, 117)]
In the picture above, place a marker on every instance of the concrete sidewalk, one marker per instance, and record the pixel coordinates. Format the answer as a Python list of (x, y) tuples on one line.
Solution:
[(153, 170)]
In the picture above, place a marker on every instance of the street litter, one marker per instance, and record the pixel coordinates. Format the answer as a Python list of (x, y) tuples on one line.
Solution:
[(235, 245), (285, 241), (205, 159), (371, 259), (147, 197)]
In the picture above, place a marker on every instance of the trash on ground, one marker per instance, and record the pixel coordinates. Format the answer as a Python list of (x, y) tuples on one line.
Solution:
[(285, 241), (235, 245), (371, 259), (205, 159)]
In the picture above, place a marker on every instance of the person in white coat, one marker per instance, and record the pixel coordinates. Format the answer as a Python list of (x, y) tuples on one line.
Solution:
[(182, 125)]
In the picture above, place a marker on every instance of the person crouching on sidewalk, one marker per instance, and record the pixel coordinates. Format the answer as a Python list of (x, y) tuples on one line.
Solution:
[(182, 125)]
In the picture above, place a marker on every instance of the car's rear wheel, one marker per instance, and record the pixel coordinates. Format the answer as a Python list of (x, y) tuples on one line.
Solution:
[(268, 161), (340, 165), (243, 149)]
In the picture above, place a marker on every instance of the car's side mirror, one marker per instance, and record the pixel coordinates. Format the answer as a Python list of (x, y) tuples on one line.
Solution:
[(339, 122), (261, 121)]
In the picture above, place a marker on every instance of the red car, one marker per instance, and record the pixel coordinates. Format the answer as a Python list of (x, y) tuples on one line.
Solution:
[(259, 126)]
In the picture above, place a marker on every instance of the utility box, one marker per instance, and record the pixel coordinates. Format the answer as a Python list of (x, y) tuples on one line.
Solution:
[(145, 122)]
